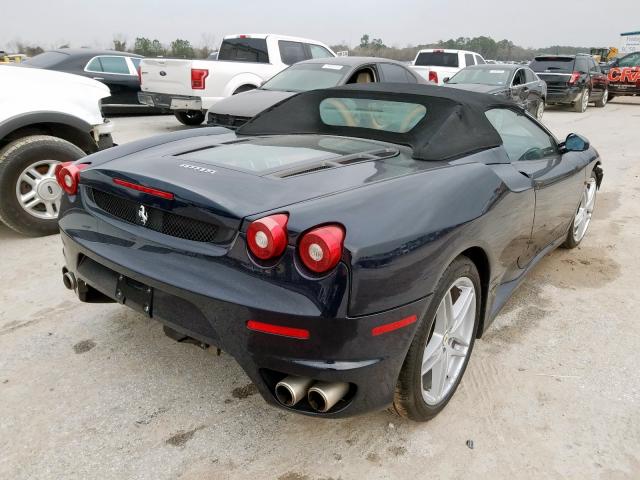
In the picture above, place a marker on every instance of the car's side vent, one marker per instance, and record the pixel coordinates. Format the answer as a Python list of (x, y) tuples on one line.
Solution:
[(338, 162)]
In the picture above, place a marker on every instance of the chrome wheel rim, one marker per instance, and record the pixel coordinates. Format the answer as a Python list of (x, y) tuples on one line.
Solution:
[(585, 210), (585, 100), (448, 346), (38, 191), (605, 96), (540, 110)]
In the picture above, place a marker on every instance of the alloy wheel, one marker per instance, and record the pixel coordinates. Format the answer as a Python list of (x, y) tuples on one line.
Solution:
[(585, 100), (448, 345), (38, 191), (585, 210), (540, 110)]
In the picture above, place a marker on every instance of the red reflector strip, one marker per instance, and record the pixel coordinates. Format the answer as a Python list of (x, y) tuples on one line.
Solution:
[(390, 327), (143, 189), (300, 333)]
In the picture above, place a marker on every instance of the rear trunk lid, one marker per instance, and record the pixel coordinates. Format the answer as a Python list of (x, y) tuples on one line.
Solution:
[(222, 183), (169, 76), (555, 71)]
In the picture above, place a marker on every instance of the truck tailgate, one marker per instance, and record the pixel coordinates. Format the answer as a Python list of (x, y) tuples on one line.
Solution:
[(170, 76)]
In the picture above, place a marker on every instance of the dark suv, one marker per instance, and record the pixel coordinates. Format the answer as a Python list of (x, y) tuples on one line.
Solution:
[(572, 80)]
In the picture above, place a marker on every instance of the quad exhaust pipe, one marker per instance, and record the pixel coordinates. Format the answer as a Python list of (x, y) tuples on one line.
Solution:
[(322, 396)]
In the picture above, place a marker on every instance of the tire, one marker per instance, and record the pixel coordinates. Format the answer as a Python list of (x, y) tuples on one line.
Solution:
[(577, 231), (409, 399), (581, 104), (38, 154), (539, 112), (602, 102), (190, 117), (611, 97)]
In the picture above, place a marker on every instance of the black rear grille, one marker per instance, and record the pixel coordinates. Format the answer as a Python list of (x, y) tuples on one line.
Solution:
[(228, 121), (154, 218)]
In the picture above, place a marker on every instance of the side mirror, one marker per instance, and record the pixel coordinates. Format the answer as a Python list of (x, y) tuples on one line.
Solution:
[(446, 79), (575, 143)]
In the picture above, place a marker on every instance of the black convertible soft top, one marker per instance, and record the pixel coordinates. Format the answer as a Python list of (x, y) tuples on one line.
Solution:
[(455, 124)]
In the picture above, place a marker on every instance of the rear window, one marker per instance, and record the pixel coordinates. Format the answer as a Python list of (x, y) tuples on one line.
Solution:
[(388, 116), (47, 59), (437, 59), (552, 64), (244, 50)]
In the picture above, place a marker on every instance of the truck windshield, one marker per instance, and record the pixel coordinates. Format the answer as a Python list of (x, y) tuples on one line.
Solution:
[(482, 76), (437, 59), (307, 76), (552, 64), (244, 50)]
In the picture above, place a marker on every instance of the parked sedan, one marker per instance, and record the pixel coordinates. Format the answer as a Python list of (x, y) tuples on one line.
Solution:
[(574, 80), (117, 70), (512, 82), (234, 111), (346, 246)]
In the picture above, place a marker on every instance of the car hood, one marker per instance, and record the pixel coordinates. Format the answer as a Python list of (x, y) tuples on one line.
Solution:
[(249, 104), (475, 87)]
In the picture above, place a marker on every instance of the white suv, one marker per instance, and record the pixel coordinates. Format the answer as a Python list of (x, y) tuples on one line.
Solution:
[(436, 64), (46, 118)]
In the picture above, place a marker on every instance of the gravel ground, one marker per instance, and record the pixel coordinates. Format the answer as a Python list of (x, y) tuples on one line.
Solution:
[(552, 391)]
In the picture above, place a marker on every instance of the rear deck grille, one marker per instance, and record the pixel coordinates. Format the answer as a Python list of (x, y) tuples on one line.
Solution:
[(157, 220)]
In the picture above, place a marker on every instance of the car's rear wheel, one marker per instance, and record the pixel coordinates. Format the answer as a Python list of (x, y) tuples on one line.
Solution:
[(600, 103), (581, 104), (29, 194), (190, 117), (441, 347), (582, 218)]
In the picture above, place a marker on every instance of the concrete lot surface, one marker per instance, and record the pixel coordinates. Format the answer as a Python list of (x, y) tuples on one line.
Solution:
[(552, 391)]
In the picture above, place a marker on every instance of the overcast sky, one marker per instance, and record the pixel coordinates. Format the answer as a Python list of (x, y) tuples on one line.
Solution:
[(531, 23)]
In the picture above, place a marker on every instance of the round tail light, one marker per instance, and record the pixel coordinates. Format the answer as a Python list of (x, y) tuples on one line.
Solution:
[(267, 237), (320, 249), (68, 176)]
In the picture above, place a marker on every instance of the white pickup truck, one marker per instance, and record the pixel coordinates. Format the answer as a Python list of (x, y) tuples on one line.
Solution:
[(190, 87), (437, 64)]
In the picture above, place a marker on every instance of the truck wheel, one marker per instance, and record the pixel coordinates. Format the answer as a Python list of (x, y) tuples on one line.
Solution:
[(29, 194), (605, 98), (582, 102), (190, 117)]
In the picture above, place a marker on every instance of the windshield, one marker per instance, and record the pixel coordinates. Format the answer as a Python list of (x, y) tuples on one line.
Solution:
[(631, 60), (552, 64), (46, 59), (307, 76), (482, 76), (437, 59), (388, 116)]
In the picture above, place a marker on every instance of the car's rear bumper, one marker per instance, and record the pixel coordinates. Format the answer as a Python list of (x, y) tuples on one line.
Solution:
[(339, 348), (177, 102), (624, 89), (563, 95)]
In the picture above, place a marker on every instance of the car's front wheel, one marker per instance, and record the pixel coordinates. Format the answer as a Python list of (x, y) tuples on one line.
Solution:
[(539, 109), (29, 194), (442, 345), (190, 117), (582, 218)]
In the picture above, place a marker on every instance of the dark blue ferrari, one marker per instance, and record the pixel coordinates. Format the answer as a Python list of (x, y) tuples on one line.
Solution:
[(346, 246)]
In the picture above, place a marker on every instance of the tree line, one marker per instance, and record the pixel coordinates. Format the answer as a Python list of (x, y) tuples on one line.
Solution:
[(368, 47), (485, 46)]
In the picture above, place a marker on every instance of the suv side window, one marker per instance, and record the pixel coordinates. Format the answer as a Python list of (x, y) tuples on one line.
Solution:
[(530, 76), (521, 137), (479, 60), (318, 51), (395, 73), (468, 59), (581, 65), (519, 78), (291, 52)]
